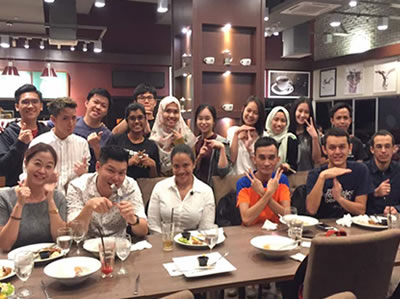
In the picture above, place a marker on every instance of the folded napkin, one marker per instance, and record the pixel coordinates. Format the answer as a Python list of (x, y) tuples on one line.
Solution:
[(298, 257), (140, 245), (305, 244), (172, 269), (345, 221), (268, 225)]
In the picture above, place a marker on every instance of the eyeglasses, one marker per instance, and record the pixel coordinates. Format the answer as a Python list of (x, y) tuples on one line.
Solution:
[(143, 98), (134, 118), (30, 101)]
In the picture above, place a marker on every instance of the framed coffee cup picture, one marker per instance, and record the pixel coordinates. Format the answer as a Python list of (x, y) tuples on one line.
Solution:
[(288, 84)]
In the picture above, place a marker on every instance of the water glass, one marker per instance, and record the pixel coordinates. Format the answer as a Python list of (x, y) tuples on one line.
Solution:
[(78, 232), (23, 264), (107, 257), (211, 236), (392, 221), (64, 239), (123, 245), (167, 231), (295, 230)]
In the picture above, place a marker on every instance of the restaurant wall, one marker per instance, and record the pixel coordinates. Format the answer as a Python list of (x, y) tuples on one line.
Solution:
[(85, 76)]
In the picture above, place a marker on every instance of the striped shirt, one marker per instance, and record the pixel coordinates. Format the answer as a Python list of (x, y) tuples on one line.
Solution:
[(69, 151)]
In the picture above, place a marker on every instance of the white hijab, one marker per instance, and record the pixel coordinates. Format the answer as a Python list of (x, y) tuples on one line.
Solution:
[(281, 138)]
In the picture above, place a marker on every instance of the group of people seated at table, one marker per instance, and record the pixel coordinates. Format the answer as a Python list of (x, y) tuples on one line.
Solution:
[(75, 168)]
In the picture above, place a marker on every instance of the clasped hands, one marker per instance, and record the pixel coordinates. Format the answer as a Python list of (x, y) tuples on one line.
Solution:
[(103, 205)]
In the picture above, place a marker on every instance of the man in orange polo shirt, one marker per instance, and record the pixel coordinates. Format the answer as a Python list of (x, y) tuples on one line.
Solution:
[(264, 193)]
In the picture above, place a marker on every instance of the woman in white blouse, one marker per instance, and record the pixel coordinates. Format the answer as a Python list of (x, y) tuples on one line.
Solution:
[(192, 200)]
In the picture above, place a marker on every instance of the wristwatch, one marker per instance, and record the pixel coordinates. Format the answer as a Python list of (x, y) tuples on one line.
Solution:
[(136, 222)]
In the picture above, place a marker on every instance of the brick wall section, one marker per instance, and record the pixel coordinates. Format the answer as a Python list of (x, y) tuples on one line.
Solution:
[(362, 32)]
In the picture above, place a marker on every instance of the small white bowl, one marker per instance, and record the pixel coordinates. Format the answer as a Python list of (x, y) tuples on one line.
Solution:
[(64, 270), (274, 246)]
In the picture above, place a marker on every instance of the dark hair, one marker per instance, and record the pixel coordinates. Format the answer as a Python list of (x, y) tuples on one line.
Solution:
[(337, 132), (133, 107), (381, 133), (113, 152), (39, 148), (184, 149), (102, 92), (292, 114), (338, 106), (261, 113), (265, 141), (143, 88), (26, 88), (210, 108), (59, 104)]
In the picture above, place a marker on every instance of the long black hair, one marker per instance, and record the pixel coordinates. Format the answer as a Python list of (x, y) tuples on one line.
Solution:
[(293, 122), (259, 125)]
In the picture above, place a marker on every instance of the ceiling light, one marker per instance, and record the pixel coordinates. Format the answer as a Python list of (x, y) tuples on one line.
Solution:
[(41, 46), (383, 23), (48, 72), (100, 3), (72, 48), (184, 74), (226, 74), (5, 41), (84, 47), (226, 27), (10, 70), (353, 3), (49, 1), (162, 6), (97, 47), (276, 33), (184, 30), (335, 21), (266, 16), (26, 44)]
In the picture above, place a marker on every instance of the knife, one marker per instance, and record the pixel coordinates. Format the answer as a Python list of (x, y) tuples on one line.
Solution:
[(43, 286), (136, 292)]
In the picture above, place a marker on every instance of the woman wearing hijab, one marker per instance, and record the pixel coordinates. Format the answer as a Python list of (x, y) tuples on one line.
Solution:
[(169, 130), (277, 126)]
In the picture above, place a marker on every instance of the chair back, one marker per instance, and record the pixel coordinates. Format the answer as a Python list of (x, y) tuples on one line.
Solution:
[(146, 186), (342, 295), (186, 294), (361, 264), (224, 185), (297, 179)]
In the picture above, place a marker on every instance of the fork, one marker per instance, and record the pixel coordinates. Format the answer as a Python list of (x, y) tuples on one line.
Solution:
[(43, 287)]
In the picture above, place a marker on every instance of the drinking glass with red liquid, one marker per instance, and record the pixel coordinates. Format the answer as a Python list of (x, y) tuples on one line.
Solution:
[(107, 257)]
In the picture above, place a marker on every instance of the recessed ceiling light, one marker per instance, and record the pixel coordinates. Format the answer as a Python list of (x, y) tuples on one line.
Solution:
[(100, 3), (383, 23), (353, 3)]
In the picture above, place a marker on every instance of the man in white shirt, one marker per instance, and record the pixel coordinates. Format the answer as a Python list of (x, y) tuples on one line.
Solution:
[(108, 198), (72, 150)]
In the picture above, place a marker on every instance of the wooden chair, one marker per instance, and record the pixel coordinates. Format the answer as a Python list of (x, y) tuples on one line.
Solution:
[(146, 186), (186, 294), (342, 295), (361, 264)]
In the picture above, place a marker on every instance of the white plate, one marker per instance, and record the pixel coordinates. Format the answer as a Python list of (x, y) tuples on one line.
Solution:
[(9, 264), (278, 246), (189, 265), (362, 220), (307, 220), (280, 92), (64, 270), (34, 248), (92, 245), (195, 233)]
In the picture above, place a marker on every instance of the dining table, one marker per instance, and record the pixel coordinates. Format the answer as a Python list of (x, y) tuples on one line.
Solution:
[(252, 267)]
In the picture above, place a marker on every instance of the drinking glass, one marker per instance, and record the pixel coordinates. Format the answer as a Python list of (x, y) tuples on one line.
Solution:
[(23, 264), (107, 257), (211, 236), (78, 233), (167, 231), (123, 245), (392, 219), (64, 239)]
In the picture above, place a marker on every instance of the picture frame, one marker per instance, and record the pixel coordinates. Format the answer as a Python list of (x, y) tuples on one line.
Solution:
[(288, 84), (327, 83)]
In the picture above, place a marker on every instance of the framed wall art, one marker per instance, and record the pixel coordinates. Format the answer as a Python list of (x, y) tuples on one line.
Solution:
[(327, 83), (288, 84)]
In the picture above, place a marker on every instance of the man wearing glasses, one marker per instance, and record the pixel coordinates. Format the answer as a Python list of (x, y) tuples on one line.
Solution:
[(145, 95), (144, 161), (385, 175), (14, 141)]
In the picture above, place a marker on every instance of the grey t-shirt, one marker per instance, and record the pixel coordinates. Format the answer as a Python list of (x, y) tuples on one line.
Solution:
[(35, 222)]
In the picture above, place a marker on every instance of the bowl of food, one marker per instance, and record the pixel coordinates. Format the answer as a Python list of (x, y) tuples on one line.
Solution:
[(6, 289), (307, 220), (274, 246), (72, 270)]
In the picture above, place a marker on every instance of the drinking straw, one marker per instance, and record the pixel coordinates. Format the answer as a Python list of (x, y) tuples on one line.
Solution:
[(102, 240), (172, 218)]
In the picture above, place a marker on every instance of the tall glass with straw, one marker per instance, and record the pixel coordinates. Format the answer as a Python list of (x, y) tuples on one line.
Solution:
[(167, 230)]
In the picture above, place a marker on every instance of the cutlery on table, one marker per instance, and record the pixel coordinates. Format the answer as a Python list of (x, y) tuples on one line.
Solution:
[(136, 292), (43, 287), (218, 259)]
